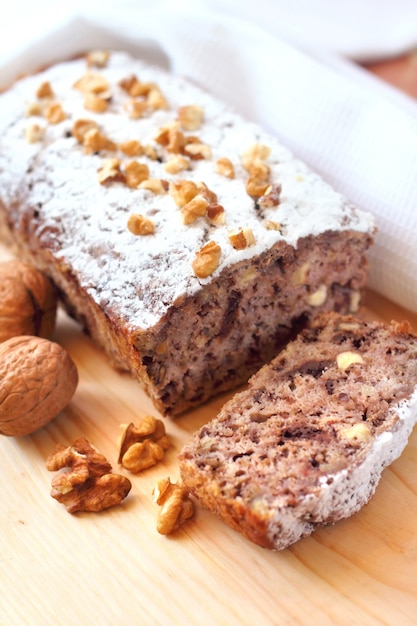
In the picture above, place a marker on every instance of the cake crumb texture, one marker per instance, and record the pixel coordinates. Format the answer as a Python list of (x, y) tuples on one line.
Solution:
[(305, 444)]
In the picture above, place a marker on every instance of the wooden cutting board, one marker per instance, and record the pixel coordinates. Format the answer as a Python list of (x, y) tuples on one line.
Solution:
[(114, 568)]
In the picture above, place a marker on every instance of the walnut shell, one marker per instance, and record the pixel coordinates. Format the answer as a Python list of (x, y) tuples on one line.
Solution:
[(28, 301), (37, 380)]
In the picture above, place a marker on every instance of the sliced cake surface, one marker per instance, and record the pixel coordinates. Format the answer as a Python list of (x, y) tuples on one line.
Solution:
[(305, 444), (187, 241)]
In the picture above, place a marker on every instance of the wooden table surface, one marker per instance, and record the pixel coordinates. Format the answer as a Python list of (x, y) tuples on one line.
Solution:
[(113, 568)]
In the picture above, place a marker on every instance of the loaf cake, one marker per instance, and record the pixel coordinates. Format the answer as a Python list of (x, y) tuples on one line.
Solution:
[(188, 242), (305, 443)]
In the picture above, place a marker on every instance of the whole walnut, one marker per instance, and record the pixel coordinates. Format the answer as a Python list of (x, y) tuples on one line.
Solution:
[(28, 301), (37, 380)]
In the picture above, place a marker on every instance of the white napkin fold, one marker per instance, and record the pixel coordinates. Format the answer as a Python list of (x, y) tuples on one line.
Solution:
[(360, 134)]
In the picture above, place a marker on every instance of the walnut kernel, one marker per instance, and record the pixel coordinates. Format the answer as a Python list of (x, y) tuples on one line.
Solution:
[(197, 150), (132, 148), (143, 445), (94, 141), (136, 108), (44, 91), (190, 117), (34, 132), (318, 297), (81, 127), (359, 432), (183, 191), (225, 167), (256, 187), (97, 58), (136, 173), (92, 82), (110, 172), (87, 482), (345, 359), (176, 506), (207, 260), (255, 152), (140, 224), (95, 103), (197, 207), (271, 197), (177, 164), (54, 113), (242, 238), (156, 185)]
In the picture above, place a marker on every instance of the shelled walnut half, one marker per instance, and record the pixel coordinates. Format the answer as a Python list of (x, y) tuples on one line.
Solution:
[(86, 482), (143, 445)]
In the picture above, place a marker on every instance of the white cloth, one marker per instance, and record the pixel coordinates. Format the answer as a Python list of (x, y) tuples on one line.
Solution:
[(281, 66)]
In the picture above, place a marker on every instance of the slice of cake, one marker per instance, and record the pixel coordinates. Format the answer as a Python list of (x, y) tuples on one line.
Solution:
[(188, 242), (306, 443)]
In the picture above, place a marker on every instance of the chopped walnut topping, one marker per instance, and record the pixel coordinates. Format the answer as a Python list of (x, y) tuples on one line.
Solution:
[(96, 103), (259, 170), (216, 213), (132, 148), (208, 194), (177, 164), (156, 100), (156, 185), (256, 188), (190, 117), (136, 108), (176, 140), (140, 224), (182, 191), (207, 260), (54, 113), (110, 172), (197, 150), (34, 133), (255, 152), (197, 207), (150, 152), (242, 238), (45, 91), (129, 83), (94, 141), (81, 127), (35, 108), (87, 482), (135, 88), (136, 173), (271, 225), (144, 445), (97, 58), (176, 506), (225, 167), (163, 135), (92, 82), (271, 197)]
